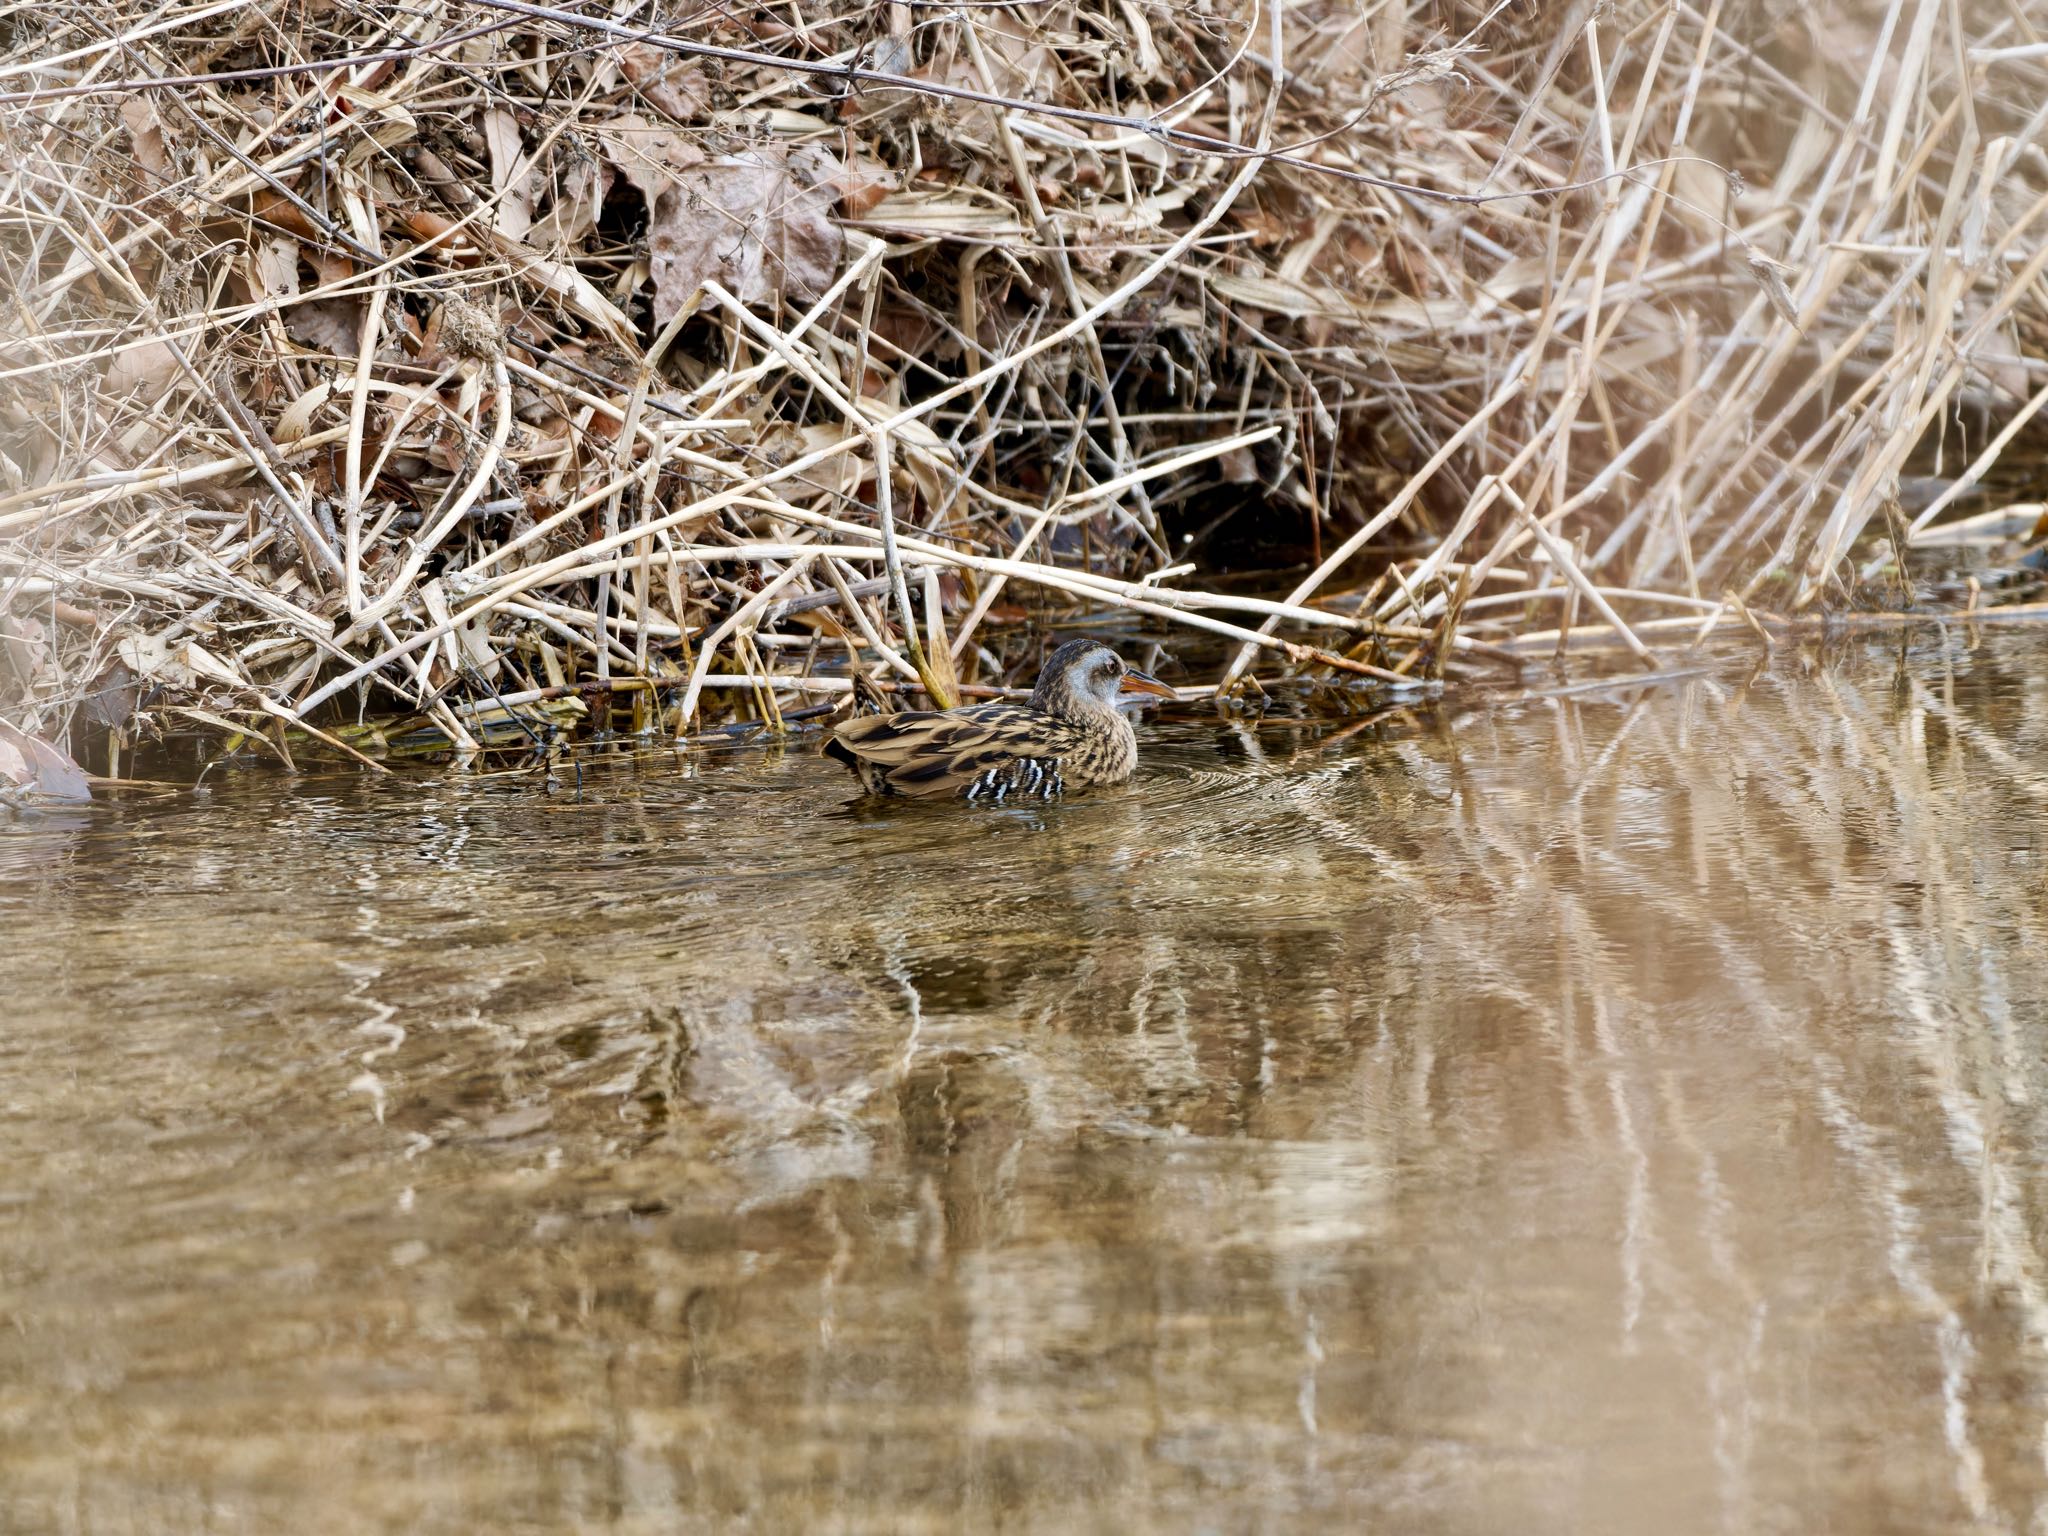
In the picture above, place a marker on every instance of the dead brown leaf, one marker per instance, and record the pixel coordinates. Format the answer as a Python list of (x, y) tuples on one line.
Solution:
[(509, 168), (27, 762), (274, 267), (673, 86), (146, 133), (649, 156), (757, 222), (113, 700), (1771, 275), (574, 196), (862, 184), (333, 326), (145, 371)]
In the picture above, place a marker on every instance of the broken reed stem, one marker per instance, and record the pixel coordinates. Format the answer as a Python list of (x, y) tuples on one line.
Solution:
[(899, 587)]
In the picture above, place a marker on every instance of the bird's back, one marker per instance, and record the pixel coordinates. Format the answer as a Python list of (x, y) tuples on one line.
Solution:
[(993, 752)]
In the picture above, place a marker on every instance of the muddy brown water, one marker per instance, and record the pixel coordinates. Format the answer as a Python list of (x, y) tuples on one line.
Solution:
[(1617, 1111)]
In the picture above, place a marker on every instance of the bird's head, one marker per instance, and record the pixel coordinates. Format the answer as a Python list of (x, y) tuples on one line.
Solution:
[(1084, 677)]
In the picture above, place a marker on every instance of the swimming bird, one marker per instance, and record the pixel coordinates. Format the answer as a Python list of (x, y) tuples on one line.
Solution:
[(1072, 734)]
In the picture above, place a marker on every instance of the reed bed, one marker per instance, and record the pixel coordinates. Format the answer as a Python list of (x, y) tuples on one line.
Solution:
[(497, 367)]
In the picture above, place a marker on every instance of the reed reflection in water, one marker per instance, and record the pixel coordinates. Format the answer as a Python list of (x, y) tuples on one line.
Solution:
[(1601, 1112)]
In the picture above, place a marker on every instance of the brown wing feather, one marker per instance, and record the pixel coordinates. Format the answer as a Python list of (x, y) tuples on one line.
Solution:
[(923, 753)]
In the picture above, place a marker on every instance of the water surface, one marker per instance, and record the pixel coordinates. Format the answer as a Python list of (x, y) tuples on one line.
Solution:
[(1614, 1111)]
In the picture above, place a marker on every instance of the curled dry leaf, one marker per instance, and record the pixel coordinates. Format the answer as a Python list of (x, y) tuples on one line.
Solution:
[(1770, 275), (574, 196), (27, 762), (675, 87), (273, 267), (509, 167), (861, 185), (1143, 61), (146, 133), (296, 419)]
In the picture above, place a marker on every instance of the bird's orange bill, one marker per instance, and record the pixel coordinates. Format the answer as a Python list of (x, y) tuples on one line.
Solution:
[(1144, 682)]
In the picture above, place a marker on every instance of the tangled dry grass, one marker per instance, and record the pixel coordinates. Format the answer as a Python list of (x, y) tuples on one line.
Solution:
[(467, 366)]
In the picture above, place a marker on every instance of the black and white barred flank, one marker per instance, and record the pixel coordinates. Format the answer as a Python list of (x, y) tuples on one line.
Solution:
[(1024, 777)]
